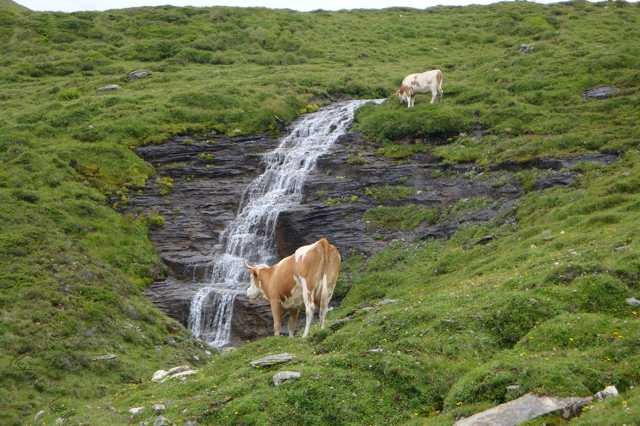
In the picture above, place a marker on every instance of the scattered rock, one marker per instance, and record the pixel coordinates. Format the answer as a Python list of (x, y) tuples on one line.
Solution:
[(376, 350), (190, 423), (526, 48), (512, 388), (609, 391), (633, 301), (599, 92), (107, 357), (484, 240), (109, 88), (525, 408), (621, 248), (136, 410), (387, 301), (135, 75), (282, 376), (183, 374), (179, 369), (59, 421), (159, 376), (38, 417), (161, 421), (270, 360), (159, 408)]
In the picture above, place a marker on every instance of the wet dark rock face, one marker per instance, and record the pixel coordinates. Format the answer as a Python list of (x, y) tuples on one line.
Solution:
[(209, 174)]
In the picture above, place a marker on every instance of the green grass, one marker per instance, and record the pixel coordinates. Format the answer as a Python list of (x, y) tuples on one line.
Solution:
[(404, 217), (469, 319)]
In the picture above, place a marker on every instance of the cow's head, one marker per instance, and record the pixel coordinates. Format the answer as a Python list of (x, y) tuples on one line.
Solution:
[(255, 285), (404, 93)]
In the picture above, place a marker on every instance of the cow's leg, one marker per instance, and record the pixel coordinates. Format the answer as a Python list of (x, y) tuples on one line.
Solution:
[(276, 312), (324, 299), (293, 321), (307, 297), (434, 95), (412, 100)]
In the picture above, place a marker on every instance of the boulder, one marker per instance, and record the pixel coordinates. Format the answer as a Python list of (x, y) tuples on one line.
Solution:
[(109, 88), (159, 408), (282, 376), (599, 92), (135, 75), (632, 301), (159, 376), (270, 360), (180, 372), (134, 411), (525, 408), (608, 392)]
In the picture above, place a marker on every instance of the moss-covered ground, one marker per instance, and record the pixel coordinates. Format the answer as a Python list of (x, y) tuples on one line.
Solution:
[(541, 306)]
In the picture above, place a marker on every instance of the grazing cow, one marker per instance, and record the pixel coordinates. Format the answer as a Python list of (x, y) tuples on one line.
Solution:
[(306, 279), (428, 81)]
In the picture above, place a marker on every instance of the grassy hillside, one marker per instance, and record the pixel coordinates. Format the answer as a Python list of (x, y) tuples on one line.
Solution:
[(541, 306)]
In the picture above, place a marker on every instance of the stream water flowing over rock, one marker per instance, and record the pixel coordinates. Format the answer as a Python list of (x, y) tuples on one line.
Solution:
[(250, 235), (230, 200)]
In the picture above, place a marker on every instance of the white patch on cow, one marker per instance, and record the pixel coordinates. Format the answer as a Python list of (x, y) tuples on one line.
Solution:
[(253, 291), (308, 302), (302, 251), (295, 299)]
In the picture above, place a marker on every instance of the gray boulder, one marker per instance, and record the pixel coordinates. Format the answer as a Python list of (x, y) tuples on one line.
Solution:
[(270, 360), (109, 88), (633, 301), (135, 75), (525, 408), (282, 376), (161, 421), (599, 92)]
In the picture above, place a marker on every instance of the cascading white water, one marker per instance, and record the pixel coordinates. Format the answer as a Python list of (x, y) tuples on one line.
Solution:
[(250, 236)]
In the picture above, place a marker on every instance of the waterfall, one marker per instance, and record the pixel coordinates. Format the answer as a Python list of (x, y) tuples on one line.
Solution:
[(250, 235)]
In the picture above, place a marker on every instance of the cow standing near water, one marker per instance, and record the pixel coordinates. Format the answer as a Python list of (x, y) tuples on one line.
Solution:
[(428, 81), (306, 279)]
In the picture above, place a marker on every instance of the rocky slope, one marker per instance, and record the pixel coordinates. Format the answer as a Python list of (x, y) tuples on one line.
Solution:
[(201, 180)]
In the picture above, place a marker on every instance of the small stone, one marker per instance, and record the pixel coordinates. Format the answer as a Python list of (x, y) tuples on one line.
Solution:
[(178, 369), (599, 92), (135, 75), (161, 421), (513, 387), (484, 240), (159, 408), (159, 376), (609, 391), (387, 301), (376, 350), (227, 350), (109, 88), (183, 374), (38, 417), (270, 360), (107, 357), (59, 421), (136, 410), (547, 235), (190, 423), (526, 48), (633, 301), (282, 376)]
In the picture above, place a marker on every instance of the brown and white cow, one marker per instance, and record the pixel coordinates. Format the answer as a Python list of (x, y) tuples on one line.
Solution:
[(306, 279), (428, 81)]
